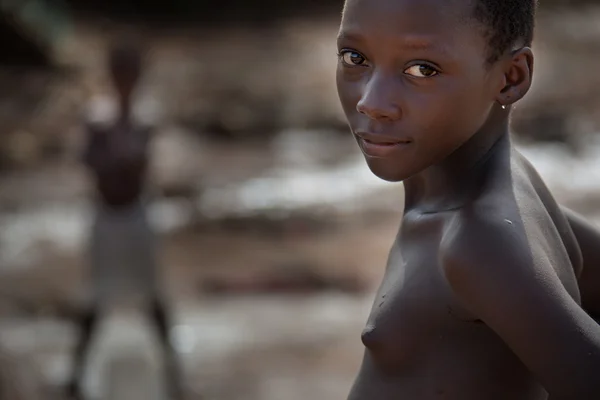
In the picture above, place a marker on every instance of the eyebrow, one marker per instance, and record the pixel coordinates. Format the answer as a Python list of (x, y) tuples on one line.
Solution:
[(413, 42), (348, 36)]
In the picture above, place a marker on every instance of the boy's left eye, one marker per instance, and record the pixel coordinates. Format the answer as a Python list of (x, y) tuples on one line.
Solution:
[(421, 71)]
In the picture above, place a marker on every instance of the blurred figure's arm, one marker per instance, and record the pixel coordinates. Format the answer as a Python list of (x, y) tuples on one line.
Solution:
[(588, 237), (88, 154), (97, 115)]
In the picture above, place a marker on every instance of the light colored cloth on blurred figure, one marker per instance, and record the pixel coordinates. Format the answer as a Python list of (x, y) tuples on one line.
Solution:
[(123, 255)]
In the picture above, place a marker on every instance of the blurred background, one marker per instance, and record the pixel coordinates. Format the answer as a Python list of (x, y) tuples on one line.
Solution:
[(274, 233)]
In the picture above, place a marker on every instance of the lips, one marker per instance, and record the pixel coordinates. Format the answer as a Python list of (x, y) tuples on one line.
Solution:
[(381, 140), (384, 143), (381, 146)]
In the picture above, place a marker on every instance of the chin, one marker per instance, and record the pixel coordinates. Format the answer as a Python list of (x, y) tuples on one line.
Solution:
[(387, 172)]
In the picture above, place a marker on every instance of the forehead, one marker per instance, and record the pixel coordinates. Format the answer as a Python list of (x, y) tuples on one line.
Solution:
[(435, 23)]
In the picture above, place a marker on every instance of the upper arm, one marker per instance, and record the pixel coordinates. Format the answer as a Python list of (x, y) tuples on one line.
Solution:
[(90, 155), (87, 148), (87, 151), (510, 284), (588, 239)]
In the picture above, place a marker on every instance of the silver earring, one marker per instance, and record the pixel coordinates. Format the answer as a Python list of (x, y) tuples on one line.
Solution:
[(503, 107)]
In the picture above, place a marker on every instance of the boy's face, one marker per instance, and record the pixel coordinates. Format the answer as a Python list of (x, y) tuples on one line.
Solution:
[(413, 81)]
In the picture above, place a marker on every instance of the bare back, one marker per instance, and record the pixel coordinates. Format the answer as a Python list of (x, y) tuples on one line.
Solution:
[(421, 342)]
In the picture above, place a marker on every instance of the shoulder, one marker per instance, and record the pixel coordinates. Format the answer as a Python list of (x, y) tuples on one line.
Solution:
[(504, 275), (100, 110), (482, 236), (500, 258), (491, 253)]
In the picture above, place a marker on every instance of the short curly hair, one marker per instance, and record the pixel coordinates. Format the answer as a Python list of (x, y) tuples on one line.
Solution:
[(506, 23)]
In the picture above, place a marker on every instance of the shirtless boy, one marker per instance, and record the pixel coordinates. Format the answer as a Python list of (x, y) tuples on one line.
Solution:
[(123, 256), (481, 297)]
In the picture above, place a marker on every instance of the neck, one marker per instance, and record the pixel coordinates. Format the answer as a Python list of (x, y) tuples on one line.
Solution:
[(451, 183), (124, 109)]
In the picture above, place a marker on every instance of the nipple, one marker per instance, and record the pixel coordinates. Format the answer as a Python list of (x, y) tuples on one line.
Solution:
[(368, 337)]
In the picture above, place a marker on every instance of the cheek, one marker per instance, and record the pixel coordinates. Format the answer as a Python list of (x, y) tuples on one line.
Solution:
[(474, 95), (349, 92), (474, 113), (457, 109), (444, 122)]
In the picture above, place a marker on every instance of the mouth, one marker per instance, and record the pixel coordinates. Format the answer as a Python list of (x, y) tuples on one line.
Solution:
[(385, 143), (381, 140), (380, 146)]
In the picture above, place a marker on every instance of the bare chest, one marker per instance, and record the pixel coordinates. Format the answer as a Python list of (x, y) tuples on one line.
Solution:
[(414, 308)]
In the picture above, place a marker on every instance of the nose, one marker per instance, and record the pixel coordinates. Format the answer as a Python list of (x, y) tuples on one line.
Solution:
[(380, 99)]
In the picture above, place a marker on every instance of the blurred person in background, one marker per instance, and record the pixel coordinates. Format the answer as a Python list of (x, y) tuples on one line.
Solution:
[(123, 247)]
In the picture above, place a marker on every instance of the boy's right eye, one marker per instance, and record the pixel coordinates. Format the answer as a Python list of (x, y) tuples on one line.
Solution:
[(351, 58)]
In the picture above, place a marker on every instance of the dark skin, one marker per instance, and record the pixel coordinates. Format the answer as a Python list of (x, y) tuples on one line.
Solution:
[(588, 240), (120, 174), (480, 297)]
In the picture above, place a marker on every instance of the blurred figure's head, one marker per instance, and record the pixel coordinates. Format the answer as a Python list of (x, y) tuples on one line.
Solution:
[(125, 64)]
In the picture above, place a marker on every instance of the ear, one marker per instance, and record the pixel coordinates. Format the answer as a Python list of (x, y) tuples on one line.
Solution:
[(518, 75)]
